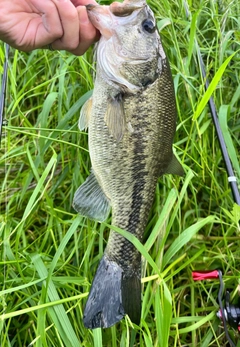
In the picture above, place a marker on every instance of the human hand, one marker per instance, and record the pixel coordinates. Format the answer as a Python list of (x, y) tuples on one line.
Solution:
[(31, 24)]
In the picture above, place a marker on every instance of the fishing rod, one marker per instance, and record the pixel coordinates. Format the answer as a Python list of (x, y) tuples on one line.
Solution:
[(232, 179), (230, 313), (3, 89)]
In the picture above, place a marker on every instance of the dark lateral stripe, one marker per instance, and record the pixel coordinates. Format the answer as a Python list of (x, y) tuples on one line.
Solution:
[(139, 174)]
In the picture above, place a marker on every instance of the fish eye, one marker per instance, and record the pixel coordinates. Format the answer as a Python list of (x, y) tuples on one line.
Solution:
[(149, 26)]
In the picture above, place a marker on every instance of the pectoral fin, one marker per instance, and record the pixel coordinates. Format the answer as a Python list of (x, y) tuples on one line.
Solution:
[(90, 201), (85, 115), (115, 118), (175, 167)]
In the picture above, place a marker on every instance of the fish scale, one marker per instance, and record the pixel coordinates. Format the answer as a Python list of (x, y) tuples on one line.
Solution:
[(131, 119)]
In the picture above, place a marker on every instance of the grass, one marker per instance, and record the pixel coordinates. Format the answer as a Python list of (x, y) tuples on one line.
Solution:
[(49, 254)]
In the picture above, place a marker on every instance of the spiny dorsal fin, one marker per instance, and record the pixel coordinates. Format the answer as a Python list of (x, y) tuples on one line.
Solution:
[(90, 201), (85, 114), (175, 167), (115, 118)]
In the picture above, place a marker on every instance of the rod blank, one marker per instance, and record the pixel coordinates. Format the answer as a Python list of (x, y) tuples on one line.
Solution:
[(3, 89)]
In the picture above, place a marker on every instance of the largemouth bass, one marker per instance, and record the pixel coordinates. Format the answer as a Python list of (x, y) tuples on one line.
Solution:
[(131, 120)]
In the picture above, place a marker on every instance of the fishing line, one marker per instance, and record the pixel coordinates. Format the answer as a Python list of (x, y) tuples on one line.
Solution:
[(3, 89)]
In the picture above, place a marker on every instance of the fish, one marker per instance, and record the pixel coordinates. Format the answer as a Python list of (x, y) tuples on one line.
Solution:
[(131, 122)]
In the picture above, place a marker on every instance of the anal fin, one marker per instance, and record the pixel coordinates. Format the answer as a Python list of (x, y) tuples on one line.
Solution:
[(90, 201)]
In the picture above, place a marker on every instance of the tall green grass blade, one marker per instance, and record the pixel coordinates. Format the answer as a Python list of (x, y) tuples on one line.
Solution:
[(212, 86), (223, 116), (18, 288), (158, 229), (57, 313), (8, 315), (198, 324), (163, 311), (63, 244), (97, 337), (184, 238), (141, 248), (34, 199), (193, 29)]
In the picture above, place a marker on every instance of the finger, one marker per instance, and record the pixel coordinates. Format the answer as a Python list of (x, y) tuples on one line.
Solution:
[(88, 33), (49, 27), (70, 25), (83, 2)]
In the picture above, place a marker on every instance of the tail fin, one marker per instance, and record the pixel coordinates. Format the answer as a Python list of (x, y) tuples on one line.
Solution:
[(112, 296)]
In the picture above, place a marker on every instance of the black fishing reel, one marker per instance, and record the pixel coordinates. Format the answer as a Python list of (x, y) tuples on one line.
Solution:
[(229, 314)]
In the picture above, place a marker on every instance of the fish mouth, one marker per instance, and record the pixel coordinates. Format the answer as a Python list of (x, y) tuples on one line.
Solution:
[(105, 17), (100, 18), (124, 9), (117, 9)]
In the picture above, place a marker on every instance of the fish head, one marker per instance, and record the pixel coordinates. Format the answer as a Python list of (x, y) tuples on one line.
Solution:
[(129, 25), (129, 38)]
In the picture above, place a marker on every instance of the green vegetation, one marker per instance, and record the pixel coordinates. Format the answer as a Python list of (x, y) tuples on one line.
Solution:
[(49, 254)]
